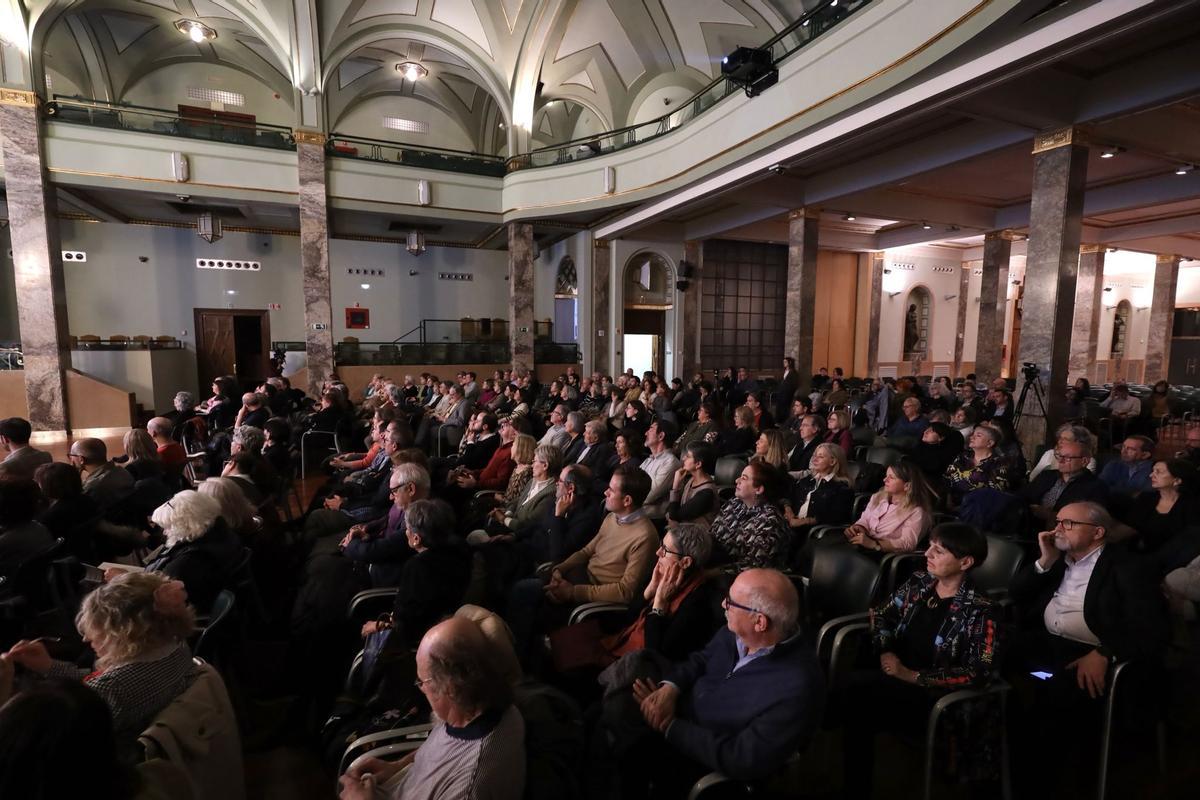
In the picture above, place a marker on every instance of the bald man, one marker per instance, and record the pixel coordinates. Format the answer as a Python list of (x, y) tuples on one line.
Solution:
[(741, 706), (477, 746)]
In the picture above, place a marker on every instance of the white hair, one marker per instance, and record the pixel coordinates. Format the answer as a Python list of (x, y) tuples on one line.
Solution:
[(186, 516), (235, 508)]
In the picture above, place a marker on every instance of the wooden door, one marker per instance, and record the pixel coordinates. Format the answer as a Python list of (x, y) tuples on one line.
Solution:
[(214, 346), (834, 317)]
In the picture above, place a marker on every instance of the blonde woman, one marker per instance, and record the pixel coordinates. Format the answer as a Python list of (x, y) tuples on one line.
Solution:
[(142, 454), (824, 496), (137, 624), (897, 515), (740, 439), (524, 446), (771, 448)]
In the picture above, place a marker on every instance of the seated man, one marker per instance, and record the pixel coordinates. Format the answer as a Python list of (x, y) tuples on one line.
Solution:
[(1085, 605), (911, 424), (103, 481), (556, 434), (173, 456), (660, 465), (1071, 483), (477, 746), (741, 706), (20, 459), (1131, 473), (612, 567), (253, 411), (381, 544)]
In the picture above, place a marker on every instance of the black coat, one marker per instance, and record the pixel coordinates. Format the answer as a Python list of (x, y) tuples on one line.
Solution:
[(205, 565), (801, 454), (1122, 605), (476, 455), (832, 504), (1085, 487), (784, 394)]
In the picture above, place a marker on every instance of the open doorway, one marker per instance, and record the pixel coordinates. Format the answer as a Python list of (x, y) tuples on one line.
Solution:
[(648, 313), (232, 342)]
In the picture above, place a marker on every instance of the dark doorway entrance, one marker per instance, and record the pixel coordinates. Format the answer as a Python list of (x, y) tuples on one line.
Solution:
[(232, 342)]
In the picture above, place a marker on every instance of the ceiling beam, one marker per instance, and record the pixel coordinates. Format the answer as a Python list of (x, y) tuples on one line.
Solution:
[(89, 205), (1164, 76), (1189, 223), (719, 222)]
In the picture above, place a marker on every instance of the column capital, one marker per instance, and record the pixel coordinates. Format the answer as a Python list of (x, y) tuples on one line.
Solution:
[(309, 137), (1054, 139), (801, 213), (1090, 248), (19, 97), (1006, 234), (600, 244), (1166, 258)]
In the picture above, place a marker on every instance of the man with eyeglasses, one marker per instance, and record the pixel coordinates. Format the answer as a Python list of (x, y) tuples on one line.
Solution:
[(381, 544), (741, 706), (1071, 483), (1084, 605)]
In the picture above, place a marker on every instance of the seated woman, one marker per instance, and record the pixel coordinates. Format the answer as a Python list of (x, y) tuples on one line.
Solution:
[(698, 431), (897, 515), (201, 550), (823, 497), (837, 396), (137, 624), (630, 447), (980, 466), (693, 495), (525, 512), (637, 418), (221, 409), (936, 451), (762, 417), (235, 508), (750, 531), (770, 447), (934, 635), (1163, 514), (838, 431), (614, 408), (740, 438), (142, 453)]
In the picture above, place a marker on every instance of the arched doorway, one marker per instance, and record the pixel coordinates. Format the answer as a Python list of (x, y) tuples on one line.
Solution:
[(917, 319), (566, 302), (649, 313)]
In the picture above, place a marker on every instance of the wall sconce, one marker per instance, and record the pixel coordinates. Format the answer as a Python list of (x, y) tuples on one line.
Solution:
[(1109, 308), (1141, 308), (949, 297), (893, 295)]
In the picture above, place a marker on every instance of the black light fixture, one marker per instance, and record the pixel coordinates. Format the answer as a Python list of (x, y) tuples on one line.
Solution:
[(751, 69)]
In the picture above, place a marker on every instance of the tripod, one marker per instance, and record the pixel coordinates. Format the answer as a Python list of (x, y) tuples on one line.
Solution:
[(1039, 394)]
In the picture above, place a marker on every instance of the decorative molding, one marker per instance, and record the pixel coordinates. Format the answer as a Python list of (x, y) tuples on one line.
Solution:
[(1006, 234), (1052, 140), (19, 97), (600, 244), (309, 137), (1166, 258), (1085, 249)]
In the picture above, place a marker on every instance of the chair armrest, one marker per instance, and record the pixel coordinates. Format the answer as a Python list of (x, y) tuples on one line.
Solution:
[(370, 598), (821, 531), (997, 687), (589, 610), (383, 743), (840, 640), (830, 628), (709, 781), (544, 570)]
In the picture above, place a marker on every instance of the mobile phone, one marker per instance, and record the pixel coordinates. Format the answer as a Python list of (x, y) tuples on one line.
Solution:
[(1042, 676)]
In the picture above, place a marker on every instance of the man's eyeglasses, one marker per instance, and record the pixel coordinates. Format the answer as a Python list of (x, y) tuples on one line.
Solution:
[(419, 682), (1069, 524), (729, 602)]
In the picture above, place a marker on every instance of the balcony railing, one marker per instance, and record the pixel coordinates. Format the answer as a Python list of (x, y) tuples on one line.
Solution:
[(122, 116), (409, 155), (170, 123)]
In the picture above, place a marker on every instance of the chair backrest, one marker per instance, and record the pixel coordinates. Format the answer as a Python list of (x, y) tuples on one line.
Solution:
[(1004, 560), (842, 582), (852, 469), (884, 456), (727, 470), (217, 616), (862, 436)]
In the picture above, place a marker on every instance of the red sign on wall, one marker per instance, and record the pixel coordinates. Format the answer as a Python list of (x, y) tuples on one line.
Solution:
[(358, 318)]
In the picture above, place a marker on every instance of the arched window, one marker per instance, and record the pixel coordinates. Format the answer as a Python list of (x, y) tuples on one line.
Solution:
[(1120, 330), (918, 308)]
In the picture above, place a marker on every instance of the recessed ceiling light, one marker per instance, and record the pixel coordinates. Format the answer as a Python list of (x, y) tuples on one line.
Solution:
[(849, 218), (231, 291), (1111, 152), (365, 285), (411, 70), (925, 226), (196, 31), (1184, 169)]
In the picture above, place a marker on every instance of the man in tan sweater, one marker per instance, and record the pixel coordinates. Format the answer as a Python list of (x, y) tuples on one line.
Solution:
[(616, 563), (613, 566)]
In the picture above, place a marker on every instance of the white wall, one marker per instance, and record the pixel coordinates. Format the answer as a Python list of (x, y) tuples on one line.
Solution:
[(167, 88), (366, 119), (1131, 277), (944, 313), (1188, 292)]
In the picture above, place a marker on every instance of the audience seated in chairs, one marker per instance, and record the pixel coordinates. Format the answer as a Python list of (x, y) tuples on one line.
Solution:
[(1130, 474), (381, 545), (141, 456), (1071, 483), (693, 496), (897, 516), (103, 481), (1166, 518), (837, 430), (170, 452), (823, 497), (741, 706), (137, 624), (980, 466), (934, 635), (20, 460), (770, 447), (477, 745), (660, 465), (811, 433), (750, 531)]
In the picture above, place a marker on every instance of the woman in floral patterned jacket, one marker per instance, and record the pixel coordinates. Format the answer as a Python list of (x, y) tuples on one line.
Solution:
[(750, 530), (980, 466), (934, 635)]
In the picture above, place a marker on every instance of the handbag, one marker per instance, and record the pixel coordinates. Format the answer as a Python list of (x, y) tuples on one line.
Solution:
[(374, 645)]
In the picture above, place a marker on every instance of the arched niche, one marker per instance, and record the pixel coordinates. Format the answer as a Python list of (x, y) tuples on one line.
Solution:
[(566, 301), (917, 324), (1120, 330)]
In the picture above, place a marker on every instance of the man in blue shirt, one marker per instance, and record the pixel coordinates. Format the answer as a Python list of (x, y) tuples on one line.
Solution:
[(911, 424), (1130, 474)]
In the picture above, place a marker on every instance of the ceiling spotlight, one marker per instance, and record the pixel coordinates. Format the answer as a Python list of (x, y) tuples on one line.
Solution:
[(411, 70), (416, 243), (849, 217), (925, 226), (365, 285), (196, 31), (231, 291), (1111, 152), (1184, 169)]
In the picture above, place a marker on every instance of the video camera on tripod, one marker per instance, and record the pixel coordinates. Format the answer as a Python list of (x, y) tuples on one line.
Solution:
[(1030, 371)]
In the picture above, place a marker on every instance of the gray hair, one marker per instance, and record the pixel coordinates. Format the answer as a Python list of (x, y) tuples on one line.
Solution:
[(693, 540), (782, 608), (1082, 436), (1096, 514), (411, 473), (575, 422), (235, 508), (184, 401), (552, 455), (250, 438), (597, 427), (186, 516), (431, 520), (160, 426), (252, 399)]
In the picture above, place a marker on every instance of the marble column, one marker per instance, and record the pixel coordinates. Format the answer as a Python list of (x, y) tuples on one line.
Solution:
[(1051, 268), (314, 257), (993, 302), (520, 294), (601, 320), (1162, 319), (876, 295), (37, 263), (1089, 294), (689, 348), (801, 302), (960, 335)]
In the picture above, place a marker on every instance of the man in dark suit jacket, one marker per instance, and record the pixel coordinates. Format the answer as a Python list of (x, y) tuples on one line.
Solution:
[(597, 455), (742, 706), (786, 389), (20, 537), (575, 442), (22, 459), (1072, 483), (1085, 605), (812, 430)]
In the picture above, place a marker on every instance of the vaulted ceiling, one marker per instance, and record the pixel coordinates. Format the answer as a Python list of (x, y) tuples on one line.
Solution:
[(607, 63)]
